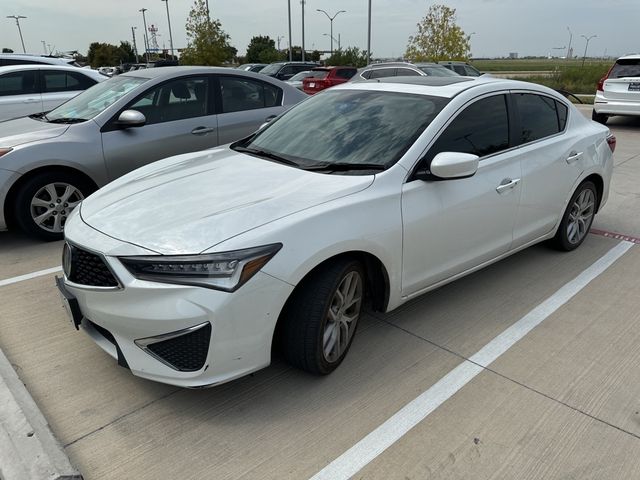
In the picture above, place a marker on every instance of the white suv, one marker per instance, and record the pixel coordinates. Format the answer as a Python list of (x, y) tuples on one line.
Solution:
[(618, 91)]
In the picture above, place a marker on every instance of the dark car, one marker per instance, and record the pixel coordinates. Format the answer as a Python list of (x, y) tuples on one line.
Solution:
[(461, 68), (286, 70), (324, 77)]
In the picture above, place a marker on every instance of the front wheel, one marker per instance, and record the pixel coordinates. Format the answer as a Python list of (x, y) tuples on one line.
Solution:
[(45, 201), (320, 319), (577, 218)]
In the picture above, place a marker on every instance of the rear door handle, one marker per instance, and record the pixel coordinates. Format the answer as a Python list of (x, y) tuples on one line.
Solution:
[(507, 184), (31, 100), (202, 130), (574, 156)]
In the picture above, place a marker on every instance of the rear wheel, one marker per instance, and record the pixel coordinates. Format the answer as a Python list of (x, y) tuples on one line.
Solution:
[(45, 201), (599, 117), (577, 218), (321, 318)]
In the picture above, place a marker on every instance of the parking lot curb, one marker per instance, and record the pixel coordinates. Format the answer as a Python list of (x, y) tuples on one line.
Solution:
[(28, 448)]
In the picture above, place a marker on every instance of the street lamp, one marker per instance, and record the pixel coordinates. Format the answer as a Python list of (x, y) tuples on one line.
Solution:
[(18, 17), (331, 21), (135, 46), (569, 47), (586, 46), (169, 22), (290, 52), (333, 39), (146, 39), (303, 2)]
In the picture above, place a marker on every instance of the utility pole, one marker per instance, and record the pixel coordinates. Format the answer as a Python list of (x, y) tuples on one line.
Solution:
[(169, 21), (331, 21), (17, 18), (146, 39), (303, 2), (586, 46), (290, 44), (569, 47), (135, 47), (369, 37), (279, 38)]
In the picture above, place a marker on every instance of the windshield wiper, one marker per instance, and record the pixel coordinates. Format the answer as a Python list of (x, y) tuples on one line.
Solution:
[(266, 154), (68, 120), (42, 116), (345, 167)]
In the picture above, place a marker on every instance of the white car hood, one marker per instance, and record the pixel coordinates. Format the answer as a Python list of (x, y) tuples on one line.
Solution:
[(189, 203)]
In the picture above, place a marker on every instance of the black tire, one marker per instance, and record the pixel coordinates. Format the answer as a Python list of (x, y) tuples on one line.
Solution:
[(306, 316), (599, 117), (562, 241), (34, 185)]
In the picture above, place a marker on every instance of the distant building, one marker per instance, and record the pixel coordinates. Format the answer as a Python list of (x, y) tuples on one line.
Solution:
[(513, 55)]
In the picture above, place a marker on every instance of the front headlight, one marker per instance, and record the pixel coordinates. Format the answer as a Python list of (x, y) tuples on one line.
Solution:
[(226, 271)]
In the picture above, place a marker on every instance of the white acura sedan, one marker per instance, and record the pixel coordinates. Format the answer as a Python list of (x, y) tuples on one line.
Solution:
[(189, 270)]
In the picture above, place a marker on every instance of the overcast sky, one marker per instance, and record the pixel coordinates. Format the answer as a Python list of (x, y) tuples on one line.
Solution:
[(529, 27)]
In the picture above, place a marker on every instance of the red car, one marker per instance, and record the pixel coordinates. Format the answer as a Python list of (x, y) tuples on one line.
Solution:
[(324, 77)]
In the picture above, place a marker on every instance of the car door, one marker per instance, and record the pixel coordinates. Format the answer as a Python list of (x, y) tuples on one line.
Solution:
[(244, 104), (58, 86), (179, 119), (19, 94), (450, 226), (551, 163)]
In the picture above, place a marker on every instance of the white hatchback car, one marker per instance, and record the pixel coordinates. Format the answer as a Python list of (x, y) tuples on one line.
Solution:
[(189, 270), (618, 92), (30, 89)]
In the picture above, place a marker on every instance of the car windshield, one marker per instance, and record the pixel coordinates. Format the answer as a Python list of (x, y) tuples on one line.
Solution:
[(273, 68), (300, 76), (435, 71), (626, 68), (95, 99), (347, 127)]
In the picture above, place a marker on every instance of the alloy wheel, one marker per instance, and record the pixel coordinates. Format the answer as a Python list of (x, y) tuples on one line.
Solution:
[(581, 216), (52, 204)]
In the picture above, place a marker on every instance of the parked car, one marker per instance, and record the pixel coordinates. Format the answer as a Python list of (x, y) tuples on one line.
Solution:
[(28, 89), (109, 71), (402, 69), (189, 270), (29, 59), (49, 163), (296, 80), (618, 92), (252, 67), (461, 68), (325, 77), (286, 70)]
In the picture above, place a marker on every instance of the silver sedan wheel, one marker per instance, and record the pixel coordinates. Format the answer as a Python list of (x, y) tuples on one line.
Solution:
[(581, 216), (52, 204), (342, 316)]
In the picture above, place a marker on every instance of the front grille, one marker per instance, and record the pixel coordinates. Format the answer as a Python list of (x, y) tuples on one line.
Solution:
[(89, 269), (187, 352)]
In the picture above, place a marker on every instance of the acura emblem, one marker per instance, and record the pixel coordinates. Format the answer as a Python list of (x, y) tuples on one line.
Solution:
[(66, 259)]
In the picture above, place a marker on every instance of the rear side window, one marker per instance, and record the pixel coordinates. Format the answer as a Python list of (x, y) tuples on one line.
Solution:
[(239, 94), (626, 68), (382, 73), (538, 117), (459, 69), (59, 81), (562, 115), (345, 72), (481, 129), (18, 83), (406, 72)]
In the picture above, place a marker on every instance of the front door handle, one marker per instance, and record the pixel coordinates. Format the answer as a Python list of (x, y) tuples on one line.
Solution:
[(202, 130), (507, 184), (31, 100), (574, 156)]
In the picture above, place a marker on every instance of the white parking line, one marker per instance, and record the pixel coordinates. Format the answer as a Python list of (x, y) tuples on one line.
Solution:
[(367, 449), (29, 276)]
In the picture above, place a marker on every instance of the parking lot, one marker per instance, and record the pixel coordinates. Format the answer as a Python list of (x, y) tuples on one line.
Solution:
[(562, 402)]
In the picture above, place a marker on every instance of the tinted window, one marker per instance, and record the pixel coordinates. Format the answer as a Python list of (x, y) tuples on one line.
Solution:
[(366, 74), (562, 115), (626, 68), (175, 100), (459, 69), (383, 72), (18, 83), (59, 81), (481, 129), (538, 116), (287, 70), (470, 71), (240, 94), (406, 72)]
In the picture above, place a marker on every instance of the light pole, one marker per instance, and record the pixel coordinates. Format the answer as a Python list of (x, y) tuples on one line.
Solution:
[(146, 39), (586, 46), (169, 22), (290, 52), (569, 47), (369, 37), (280, 37), (333, 39), (135, 47), (303, 2), (331, 21), (18, 17)]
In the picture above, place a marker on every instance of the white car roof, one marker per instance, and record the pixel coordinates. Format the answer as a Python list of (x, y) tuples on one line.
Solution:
[(40, 58), (630, 57), (21, 68)]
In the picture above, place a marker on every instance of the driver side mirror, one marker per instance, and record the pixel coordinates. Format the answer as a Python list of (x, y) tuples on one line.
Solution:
[(446, 165), (131, 118)]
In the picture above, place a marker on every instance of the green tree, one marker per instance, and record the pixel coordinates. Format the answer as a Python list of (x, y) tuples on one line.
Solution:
[(207, 44), (351, 56), (438, 38), (262, 49), (125, 53), (105, 54)]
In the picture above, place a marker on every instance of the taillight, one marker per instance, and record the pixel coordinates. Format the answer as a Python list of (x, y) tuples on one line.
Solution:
[(611, 140), (600, 87)]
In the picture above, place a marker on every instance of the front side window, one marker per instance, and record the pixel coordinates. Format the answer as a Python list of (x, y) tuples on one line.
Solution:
[(538, 116), (383, 73), (481, 129), (240, 94), (18, 83)]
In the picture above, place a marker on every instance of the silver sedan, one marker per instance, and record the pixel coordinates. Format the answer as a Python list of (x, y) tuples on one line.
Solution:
[(50, 162)]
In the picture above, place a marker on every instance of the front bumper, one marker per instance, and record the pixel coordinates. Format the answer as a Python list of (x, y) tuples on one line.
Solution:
[(240, 325)]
